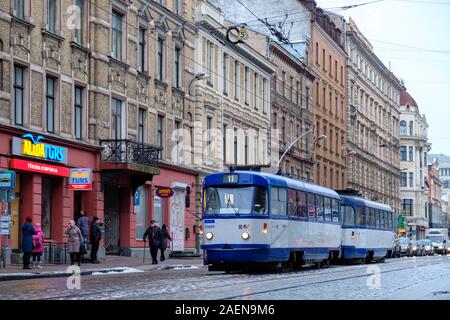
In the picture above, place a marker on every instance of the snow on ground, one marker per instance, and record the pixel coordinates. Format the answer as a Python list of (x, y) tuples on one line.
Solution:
[(116, 270)]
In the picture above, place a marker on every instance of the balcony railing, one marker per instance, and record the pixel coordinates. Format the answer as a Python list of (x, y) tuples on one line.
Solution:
[(127, 151)]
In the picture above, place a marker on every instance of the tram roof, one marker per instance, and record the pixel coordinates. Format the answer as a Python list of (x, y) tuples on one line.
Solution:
[(282, 181), (363, 202)]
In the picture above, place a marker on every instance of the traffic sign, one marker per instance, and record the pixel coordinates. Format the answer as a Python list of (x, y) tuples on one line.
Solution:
[(7, 180), (4, 225)]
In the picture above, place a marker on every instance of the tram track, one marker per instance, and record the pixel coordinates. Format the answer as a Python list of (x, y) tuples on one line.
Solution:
[(217, 282)]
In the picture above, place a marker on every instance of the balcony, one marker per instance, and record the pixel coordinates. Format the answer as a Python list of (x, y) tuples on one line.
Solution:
[(128, 155)]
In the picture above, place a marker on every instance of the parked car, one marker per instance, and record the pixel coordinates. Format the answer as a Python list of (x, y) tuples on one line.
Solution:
[(429, 250), (406, 247), (417, 248)]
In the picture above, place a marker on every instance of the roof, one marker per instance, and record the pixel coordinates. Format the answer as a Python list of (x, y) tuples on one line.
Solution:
[(406, 99), (364, 202)]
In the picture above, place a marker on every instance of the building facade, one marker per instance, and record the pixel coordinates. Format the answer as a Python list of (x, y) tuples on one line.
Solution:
[(444, 175), (372, 122), (414, 181), (291, 114), (104, 83), (232, 104), (437, 217)]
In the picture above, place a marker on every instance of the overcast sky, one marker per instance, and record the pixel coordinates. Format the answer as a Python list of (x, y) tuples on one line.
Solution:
[(421, 24)]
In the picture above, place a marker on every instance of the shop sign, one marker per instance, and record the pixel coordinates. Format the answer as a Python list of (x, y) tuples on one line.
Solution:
[(7, 180), (164, 192), (80, 179), (39, 167), (31, 146), (4, 225)]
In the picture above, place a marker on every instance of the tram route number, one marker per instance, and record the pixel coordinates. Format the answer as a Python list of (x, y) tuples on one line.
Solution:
[(223, 309)]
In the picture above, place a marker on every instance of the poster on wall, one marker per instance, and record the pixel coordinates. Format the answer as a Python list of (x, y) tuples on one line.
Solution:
[(177, 220), (80, 179)]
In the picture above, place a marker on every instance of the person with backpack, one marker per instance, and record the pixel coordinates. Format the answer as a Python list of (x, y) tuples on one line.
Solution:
[(154, 235), (38, 246), (83, 225)]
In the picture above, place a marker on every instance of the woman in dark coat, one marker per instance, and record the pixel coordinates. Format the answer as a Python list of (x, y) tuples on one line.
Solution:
[(27, 242), (165, 237)]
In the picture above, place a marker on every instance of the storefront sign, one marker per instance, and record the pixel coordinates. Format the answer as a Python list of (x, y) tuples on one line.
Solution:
[(7, 180), (39, 167), (80, 179), (163, 192), (31, 146)]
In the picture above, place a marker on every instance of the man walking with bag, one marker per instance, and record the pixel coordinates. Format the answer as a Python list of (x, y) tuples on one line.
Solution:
[(154, 240)]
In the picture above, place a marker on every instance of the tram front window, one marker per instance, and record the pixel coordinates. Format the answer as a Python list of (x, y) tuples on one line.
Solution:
[(238, 200)]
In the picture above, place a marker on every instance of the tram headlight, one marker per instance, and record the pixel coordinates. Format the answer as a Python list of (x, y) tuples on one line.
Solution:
[(245, 235), (209, 235)]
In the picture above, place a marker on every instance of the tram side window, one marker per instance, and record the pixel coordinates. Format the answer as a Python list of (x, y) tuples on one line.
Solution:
[(370, 217), (390, 220), (327, 206), (384, 221), (335, 210), (302, 208), (349, 215), (377, 218), (292, 202), (360, 216), (279, 199), (311, 206), (319, 208)]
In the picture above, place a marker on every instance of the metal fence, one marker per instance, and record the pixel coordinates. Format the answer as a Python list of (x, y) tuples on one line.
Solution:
[(55, 252)]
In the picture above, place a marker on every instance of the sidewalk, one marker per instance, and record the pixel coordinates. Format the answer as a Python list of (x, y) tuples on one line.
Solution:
[(110, 265)]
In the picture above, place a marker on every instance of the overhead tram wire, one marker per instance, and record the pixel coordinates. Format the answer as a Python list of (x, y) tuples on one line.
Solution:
[(278, 82)]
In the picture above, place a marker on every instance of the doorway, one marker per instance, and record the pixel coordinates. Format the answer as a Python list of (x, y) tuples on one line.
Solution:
[(112, 220), (15, 216)]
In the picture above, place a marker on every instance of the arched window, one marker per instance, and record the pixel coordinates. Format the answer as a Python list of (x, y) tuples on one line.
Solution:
[(403, 128), (411, 128)]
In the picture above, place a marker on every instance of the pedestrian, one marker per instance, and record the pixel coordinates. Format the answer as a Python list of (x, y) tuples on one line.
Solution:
[(154, 240), (96, 236), (74, 242), (83, 225), (38, 246), (27, 242), (165, 237)]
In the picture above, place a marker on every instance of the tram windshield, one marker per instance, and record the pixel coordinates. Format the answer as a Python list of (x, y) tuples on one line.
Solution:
[(236, 200)]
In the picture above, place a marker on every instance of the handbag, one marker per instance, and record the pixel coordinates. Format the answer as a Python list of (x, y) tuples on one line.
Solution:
[(82, 249)]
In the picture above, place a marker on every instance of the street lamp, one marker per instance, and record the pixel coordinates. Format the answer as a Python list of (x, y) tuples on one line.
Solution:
[(289, 146), (322, 137), (198, 76)]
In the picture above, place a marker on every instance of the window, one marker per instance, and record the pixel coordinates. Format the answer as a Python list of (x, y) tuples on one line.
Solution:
[(19, 6), (323, 60), (317, 53), (160, 134), (317, 93), (117, 36), (255, 149), (52, 15), (79, 31), (209, 59), (246, 86), (224, 143), (278, 201), (411, 153), (291, 87), (177, 6), (411, 128), (50, 103), (235, 147), (160, 59), (236, 80), (208, 135), (177, 68), (327, 208), (407, 207), (178, 148), (311, 198), (141, 125), (264, 96), (361, 216), (19, 95), (246, 149), (302, 208), (255, 91), (411, 179), (307, 98), (78, 112), (319, 208), (403, 128), (348, 215), (403, 182), (292, 202), (142, 50), (225, 73), (116, 119), (141, 213), (284, 83), (342, 75), (403, 153)]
